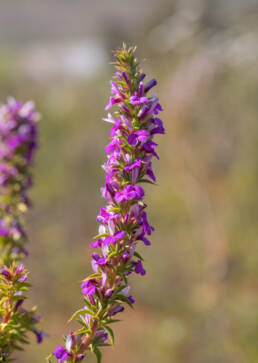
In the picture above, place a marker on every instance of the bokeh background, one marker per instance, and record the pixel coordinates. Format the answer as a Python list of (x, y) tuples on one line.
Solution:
[(199, 300)]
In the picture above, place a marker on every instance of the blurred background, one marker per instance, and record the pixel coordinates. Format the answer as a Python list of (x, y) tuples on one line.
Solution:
[(199, 300)]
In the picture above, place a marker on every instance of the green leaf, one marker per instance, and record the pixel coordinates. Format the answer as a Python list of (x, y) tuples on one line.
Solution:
[(120, 288), (90, 306), (110, 334), (138, 255), (101, 235), (98, 354), (115, 209), (83, 331), (93, 276), (112, 254), (146, 181), (125, 279), (122, 298), (81, 312)]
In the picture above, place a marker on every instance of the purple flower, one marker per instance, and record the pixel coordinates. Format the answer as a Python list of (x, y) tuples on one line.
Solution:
[(61, 354), (142, 238), (88, 288), (150, 85), (114, 238), (149, 146), (137, 101), (19, 269), (116, 310), (143, 112), (138, 136), (18, 304), (146, 227), (101, 336), (115, 128), (96, 244), (131, 299), (126, 78), (139, 268), (158, 128), (23, 278), (135, 165), (40, 335), (4, 231), (113, 146), (112, 101), (6, 273), (130, 192)]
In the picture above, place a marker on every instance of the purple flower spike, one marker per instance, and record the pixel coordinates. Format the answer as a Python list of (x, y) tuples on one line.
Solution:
[(123, 220), (18, 143)]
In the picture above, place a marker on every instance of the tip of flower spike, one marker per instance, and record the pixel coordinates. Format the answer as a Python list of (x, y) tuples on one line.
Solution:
[(125, 57)]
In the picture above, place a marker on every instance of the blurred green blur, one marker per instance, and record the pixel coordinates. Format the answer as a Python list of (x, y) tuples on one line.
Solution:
[(199, 300)]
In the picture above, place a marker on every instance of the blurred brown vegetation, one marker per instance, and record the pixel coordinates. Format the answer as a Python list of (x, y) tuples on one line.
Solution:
[(199, 300)]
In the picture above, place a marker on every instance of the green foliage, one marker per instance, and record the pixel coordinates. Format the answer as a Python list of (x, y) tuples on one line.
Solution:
[(15, 321)]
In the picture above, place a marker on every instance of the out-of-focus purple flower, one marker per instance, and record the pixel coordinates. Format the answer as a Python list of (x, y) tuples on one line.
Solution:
[(18, 304), (19, 269), (109, 292), (40, 335), (23, 278), (18, 141), (6, 273)]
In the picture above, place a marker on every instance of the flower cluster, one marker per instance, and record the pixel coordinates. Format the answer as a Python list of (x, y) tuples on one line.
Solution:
[(123, 221), (18, 140)]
